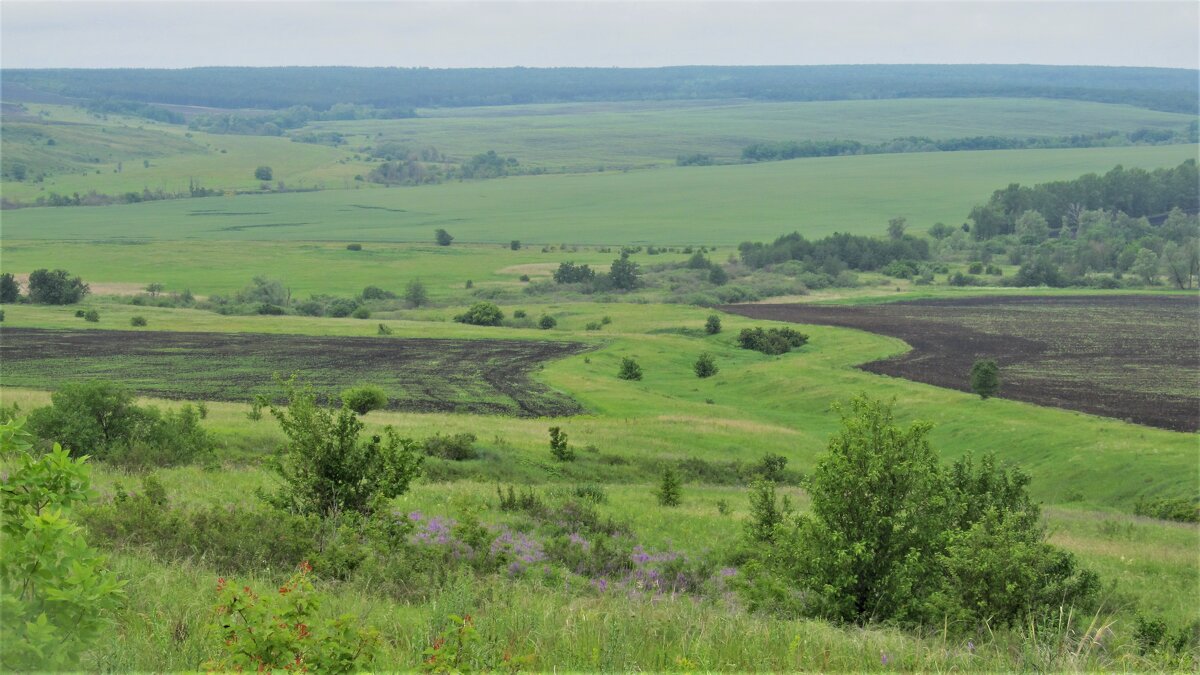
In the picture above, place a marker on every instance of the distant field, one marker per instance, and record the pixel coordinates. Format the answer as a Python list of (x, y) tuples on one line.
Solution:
[(587, 135), (1129, 357), (477, 376), (699, 205)]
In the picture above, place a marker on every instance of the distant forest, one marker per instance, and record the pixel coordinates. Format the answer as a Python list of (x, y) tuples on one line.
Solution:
[(1174, 90)]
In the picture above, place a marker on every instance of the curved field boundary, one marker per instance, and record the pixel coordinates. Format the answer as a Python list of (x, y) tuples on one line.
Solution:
[(422, 375), (1135, 358)]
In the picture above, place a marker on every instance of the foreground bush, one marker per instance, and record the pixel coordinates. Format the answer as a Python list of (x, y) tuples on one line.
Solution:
[(55, 591), (893, 536), (325, 467)]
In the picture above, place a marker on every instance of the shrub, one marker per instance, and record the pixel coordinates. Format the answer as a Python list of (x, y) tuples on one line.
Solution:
[(514, 245), (91, 316), (383, 330), (264, 173), (327, 469), (1182, 510), (524, 277), (455, 447), (137, 321), (364, 398), (592, 493), (79, 313), (55, 288), (766, 513), (361, 313), (717, 276), (593, 325), (353, 247), (985, 378), (712, 325), (669, 491), (341, 308), (470, 284), (771, 341), (278, 631), (630, 370), (975, 268), (558, 445), (547, 322), (415, 294), (55, 591), (520, 314), (705, 366), (376, 293), (481, 314), (442, 237)]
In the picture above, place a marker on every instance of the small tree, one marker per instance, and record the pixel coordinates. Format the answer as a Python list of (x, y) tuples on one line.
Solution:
[(713, 325), (705, 366), (415, 294), (10, 290), (514, 245), (442, 237), (558, 445), (137, 321), (670, 489), (55, 288), (624, 273), (481, 314), (154, 289), (985, 378), (264, 173), (325, 467), (1146, 266), (630, 370), (896, 227), (91, 316), (364, 398), (547, 322)]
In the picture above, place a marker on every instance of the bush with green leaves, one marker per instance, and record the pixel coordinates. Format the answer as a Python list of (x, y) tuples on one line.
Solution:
[(630, 370), (415, 294), (137, 321), (670, 488), (705, 366), (55, 591), (772, 341), (56, 287), (364, 398), (281, 630), (326, 468), (985, 378), (547, 322), (91, 316), (712, 325), (442, 237), (558, 445), (481, 314), (914, 543), (453, 447), (361, 313), (376, 293)]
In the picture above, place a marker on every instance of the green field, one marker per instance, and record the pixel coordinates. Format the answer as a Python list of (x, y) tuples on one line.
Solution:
[(718, 205)]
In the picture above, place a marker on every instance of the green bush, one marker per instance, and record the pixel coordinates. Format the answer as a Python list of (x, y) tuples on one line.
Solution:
[(558, 445), (712, 325), (326, 469), (481, 314), (705, 366), (364, 398), (361, 313), (376, 293), (519, 314), (670, 489), (454, 447), (547, 322), (771, 341), (630, 370), (1181, 510), (137, 321), (10, 290), (985, 378), (91, 316), (55, 288), (917, 544), (354, 247), (55, 592)]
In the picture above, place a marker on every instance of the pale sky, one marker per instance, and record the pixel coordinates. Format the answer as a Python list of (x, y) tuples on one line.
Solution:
[(166, 34)]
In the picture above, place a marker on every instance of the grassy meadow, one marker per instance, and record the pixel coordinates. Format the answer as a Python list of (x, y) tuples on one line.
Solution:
[(1088, 472)]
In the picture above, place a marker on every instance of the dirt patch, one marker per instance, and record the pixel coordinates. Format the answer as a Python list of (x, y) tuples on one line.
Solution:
[(1135, 358), (425, 375), (532, 269)]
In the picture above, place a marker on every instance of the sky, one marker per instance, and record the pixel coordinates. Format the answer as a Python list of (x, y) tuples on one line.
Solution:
[(169, 34)]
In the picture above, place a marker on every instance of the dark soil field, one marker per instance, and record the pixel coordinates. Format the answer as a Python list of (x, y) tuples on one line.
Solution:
[(469, 376), (1135, 358)]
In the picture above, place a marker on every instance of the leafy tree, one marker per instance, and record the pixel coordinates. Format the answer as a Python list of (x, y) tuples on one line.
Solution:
[(712, 325), (327, 469), (766, 513), (376, 293), (623, 274), (481, 314), (670, 489), (10, 290), (88, 417), (570, 273), (55, 591), (896, 227), (630, 370), (558, 445), (985, 378), (514, 245), (154, 289), (264, 173), (717, 276), (547, 322), (364, 398), (55, 288), (1146, 266), (705, 366), (415, 294), (698, 261), (442, 237), (1182, 262), (1032, 228), (940, 231)]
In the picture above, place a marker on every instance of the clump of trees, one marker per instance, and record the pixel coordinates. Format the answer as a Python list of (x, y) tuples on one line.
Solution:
[(771, 341), (918, 544), (55, 287), (834, 253), (623, 275)]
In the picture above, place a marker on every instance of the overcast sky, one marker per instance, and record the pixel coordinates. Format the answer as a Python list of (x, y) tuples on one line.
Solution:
[(165, 34)]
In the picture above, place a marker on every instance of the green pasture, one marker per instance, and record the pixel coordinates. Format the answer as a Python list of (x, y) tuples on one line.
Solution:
[(587, 136), (700, 205)]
